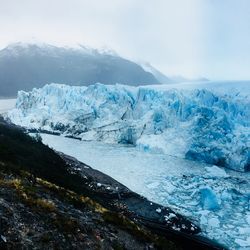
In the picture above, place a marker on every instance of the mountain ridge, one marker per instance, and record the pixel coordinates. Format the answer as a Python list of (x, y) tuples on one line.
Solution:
[(24, 66)]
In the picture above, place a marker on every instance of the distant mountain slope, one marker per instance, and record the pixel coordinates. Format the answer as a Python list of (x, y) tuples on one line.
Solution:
[(25, 66), (162, 78), (157, 74)]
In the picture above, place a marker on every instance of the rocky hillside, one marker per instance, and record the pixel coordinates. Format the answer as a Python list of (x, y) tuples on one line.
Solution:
[(40, 215)]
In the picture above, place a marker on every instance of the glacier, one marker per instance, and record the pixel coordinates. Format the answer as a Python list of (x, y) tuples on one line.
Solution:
[(203, 122)]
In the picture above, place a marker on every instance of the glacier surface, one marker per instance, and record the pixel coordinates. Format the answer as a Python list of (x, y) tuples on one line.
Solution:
[(208, 123)]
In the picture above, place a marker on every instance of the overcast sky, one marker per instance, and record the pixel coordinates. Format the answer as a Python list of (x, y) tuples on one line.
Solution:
[(193, 38)]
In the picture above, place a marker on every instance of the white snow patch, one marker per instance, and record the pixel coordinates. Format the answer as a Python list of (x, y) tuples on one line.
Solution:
[(158, 210)]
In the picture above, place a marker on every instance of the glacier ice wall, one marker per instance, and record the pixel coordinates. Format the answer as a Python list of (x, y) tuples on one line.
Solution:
[(195, 123)]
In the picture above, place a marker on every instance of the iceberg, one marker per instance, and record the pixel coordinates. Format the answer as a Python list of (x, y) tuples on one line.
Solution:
[(208, 199), (195, 123)]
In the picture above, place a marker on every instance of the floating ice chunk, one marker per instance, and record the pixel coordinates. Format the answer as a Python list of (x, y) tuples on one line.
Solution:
[(216, 172), (226, 195), (153, 185), (98, 184), (209, 199), (244, 230), (214, 222), (169, 187), (243, 243), (203, 220), (248, 218)]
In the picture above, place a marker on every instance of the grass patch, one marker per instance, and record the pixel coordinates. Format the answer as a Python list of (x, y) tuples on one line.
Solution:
[(23, 153)]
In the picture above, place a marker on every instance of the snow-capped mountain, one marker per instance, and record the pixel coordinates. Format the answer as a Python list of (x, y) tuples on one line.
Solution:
[(196, 122), (24, 66)]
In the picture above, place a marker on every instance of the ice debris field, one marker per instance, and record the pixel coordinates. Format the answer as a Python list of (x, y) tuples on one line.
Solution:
[(217, 199)]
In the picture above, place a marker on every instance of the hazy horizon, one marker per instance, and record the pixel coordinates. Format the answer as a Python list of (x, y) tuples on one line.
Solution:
[(198, 38)]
